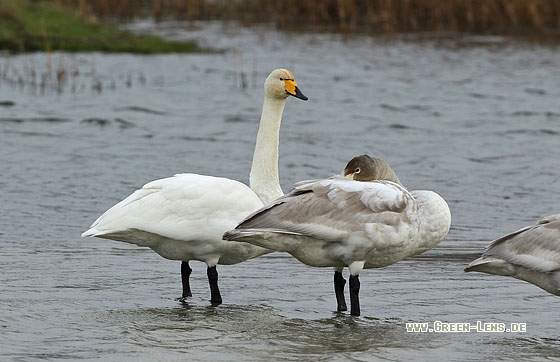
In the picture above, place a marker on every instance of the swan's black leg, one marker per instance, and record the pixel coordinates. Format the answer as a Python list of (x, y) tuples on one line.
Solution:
[(185, 275), (339, 283), (354, 295), (215, 297)]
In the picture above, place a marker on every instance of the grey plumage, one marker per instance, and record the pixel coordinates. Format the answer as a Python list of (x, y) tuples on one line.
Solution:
[(345, 222), (531, 254)]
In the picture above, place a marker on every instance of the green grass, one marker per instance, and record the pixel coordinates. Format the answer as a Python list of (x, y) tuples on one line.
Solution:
[(40, 26)]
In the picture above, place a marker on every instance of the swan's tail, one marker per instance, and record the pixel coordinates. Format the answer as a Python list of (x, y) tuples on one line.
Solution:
[(238, 234), (265, 238), (490, 265), (89, 232)]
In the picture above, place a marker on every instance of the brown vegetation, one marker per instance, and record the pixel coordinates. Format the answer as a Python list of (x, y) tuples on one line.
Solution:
[(372, 16), (61, 73)]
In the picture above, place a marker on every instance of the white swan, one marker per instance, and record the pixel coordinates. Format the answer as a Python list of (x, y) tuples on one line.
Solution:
[(183, 217), (531, 254), (339, 222)]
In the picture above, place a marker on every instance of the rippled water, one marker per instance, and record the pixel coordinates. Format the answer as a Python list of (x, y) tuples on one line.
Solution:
[(475, 119)]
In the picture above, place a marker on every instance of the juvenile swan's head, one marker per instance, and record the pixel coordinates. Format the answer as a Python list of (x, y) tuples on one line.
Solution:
[(281, 84), (366, 168)]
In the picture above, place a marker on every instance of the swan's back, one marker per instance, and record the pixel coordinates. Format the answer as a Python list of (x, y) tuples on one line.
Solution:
[(182, 207), (326, 208), (531, 254), (335, 221)]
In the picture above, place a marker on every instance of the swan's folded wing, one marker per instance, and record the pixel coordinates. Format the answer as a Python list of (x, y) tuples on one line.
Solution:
[(536, 247), (183, 206), (334, 208)]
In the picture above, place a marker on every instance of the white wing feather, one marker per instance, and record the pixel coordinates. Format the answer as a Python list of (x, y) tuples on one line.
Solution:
[(183, 217)]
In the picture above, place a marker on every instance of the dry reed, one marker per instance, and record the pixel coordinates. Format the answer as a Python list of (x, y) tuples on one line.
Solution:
[(59, 74), (373, 16)]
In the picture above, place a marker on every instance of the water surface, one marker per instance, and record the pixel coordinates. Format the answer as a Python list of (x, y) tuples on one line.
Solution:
[(475, 120)]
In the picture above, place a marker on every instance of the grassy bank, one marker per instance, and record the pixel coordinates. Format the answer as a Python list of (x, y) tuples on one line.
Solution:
[(507, 17), (44, 26)]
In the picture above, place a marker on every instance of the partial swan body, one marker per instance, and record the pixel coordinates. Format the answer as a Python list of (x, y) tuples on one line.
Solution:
[(341, 222), (183, 217), (531, 254)]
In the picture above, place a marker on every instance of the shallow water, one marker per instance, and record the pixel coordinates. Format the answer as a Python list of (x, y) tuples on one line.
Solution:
[(475, 119)]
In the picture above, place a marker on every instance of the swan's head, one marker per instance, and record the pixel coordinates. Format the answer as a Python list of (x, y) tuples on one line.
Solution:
[(281, 84), (366, 168)]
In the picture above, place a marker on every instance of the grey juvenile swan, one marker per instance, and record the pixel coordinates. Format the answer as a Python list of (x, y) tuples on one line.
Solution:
[(531, 254), (341, 222)]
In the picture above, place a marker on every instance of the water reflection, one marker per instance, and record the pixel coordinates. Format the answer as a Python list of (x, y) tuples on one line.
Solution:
[(250, 331), (259, 327)]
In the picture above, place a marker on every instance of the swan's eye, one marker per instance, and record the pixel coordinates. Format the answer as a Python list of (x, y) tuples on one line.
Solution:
[(357, 170), (281, 78)]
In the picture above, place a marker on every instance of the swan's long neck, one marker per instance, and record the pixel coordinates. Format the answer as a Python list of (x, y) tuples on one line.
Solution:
[(264, 171)]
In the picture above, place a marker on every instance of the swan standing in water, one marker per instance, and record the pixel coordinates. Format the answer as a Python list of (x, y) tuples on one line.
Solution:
[(341, 222), (531, 254), (183, 217)]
